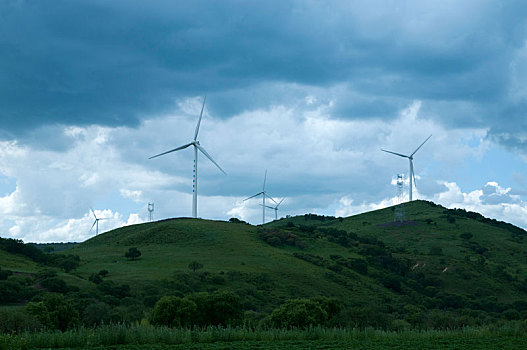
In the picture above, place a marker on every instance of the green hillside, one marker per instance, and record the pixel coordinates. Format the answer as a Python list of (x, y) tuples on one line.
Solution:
[(439, 268)]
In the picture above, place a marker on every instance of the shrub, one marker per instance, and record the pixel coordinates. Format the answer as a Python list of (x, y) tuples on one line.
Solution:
[(95, 278), (466, 235), (57, 285), (132, 253), (96, 314), (9, 291), (55, 312), (4, 274), (200, 309), (194, 265), (17, 321), (303, 313), (298, 313), (217, 308), (173, 311)]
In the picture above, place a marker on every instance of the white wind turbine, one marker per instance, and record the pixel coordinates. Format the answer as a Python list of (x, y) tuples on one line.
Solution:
[(410, 158), (197, 147), (275, 208), (264, 194), (96, 222)]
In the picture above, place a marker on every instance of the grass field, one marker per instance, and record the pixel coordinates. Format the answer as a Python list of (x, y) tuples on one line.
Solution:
[(139, 337)]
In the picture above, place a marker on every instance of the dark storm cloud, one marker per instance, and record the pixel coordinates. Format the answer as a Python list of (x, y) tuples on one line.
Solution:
[(113, 63)]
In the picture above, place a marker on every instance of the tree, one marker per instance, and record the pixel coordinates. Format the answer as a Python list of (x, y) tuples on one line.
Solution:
[(54, 311), (173, 311), (195, 266), (304, 312), (217, 308), (298, 313), (132, 253), (96, 314)]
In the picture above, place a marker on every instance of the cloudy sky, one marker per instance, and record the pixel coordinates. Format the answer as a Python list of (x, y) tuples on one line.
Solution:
[(309, 90)]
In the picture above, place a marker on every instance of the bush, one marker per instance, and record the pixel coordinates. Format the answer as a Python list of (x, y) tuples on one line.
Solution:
[(132, 253), (96, 314), (466, 235), (200, 309), (4, 274), (298, 313), (217, 309), (303, 313), (173, 311), (17, 321), (95, 278), (9, 291), (194, 265), (55, 312), (55, 285)]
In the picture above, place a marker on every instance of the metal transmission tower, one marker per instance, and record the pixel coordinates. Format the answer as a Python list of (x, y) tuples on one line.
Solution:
[(150, 212), (399, 207)]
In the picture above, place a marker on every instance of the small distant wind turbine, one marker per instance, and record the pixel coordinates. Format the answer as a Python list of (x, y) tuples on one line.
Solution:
[(411, 158), (96, 222), (275, 208), (197, 147), (264, 194)]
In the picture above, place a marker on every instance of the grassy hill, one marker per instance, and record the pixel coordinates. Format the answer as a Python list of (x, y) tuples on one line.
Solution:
[(440, 265)]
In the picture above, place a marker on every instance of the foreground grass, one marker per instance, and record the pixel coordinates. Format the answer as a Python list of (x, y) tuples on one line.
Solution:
[(146, 337)]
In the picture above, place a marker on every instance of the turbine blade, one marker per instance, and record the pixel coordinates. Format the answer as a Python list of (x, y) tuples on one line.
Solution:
[(256, 195), (280, 202), (421, 145), (397, 154), (208, 156), (269, 207), (172, 150), (265, 178), (199, 120), (93, 225), (271, 198), (93, 213)]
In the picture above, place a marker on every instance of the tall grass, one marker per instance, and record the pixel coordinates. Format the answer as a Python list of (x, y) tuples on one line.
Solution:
[(112, 335)]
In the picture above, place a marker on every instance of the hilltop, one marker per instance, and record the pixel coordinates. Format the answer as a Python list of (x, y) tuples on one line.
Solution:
[(437, 268)]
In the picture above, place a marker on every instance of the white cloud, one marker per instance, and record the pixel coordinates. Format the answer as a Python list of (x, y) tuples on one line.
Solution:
[(491, 201), (323, 165)]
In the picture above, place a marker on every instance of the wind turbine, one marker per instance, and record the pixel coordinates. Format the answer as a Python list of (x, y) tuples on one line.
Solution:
[(410, 158), (264, 194), (197, 147), (275, 208), (96, 222)]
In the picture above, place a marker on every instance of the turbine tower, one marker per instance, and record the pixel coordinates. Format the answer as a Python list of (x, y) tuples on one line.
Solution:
[(264, 194), (275, 208), (150, 212), (96, 222), (410, 158), (197, 147)]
